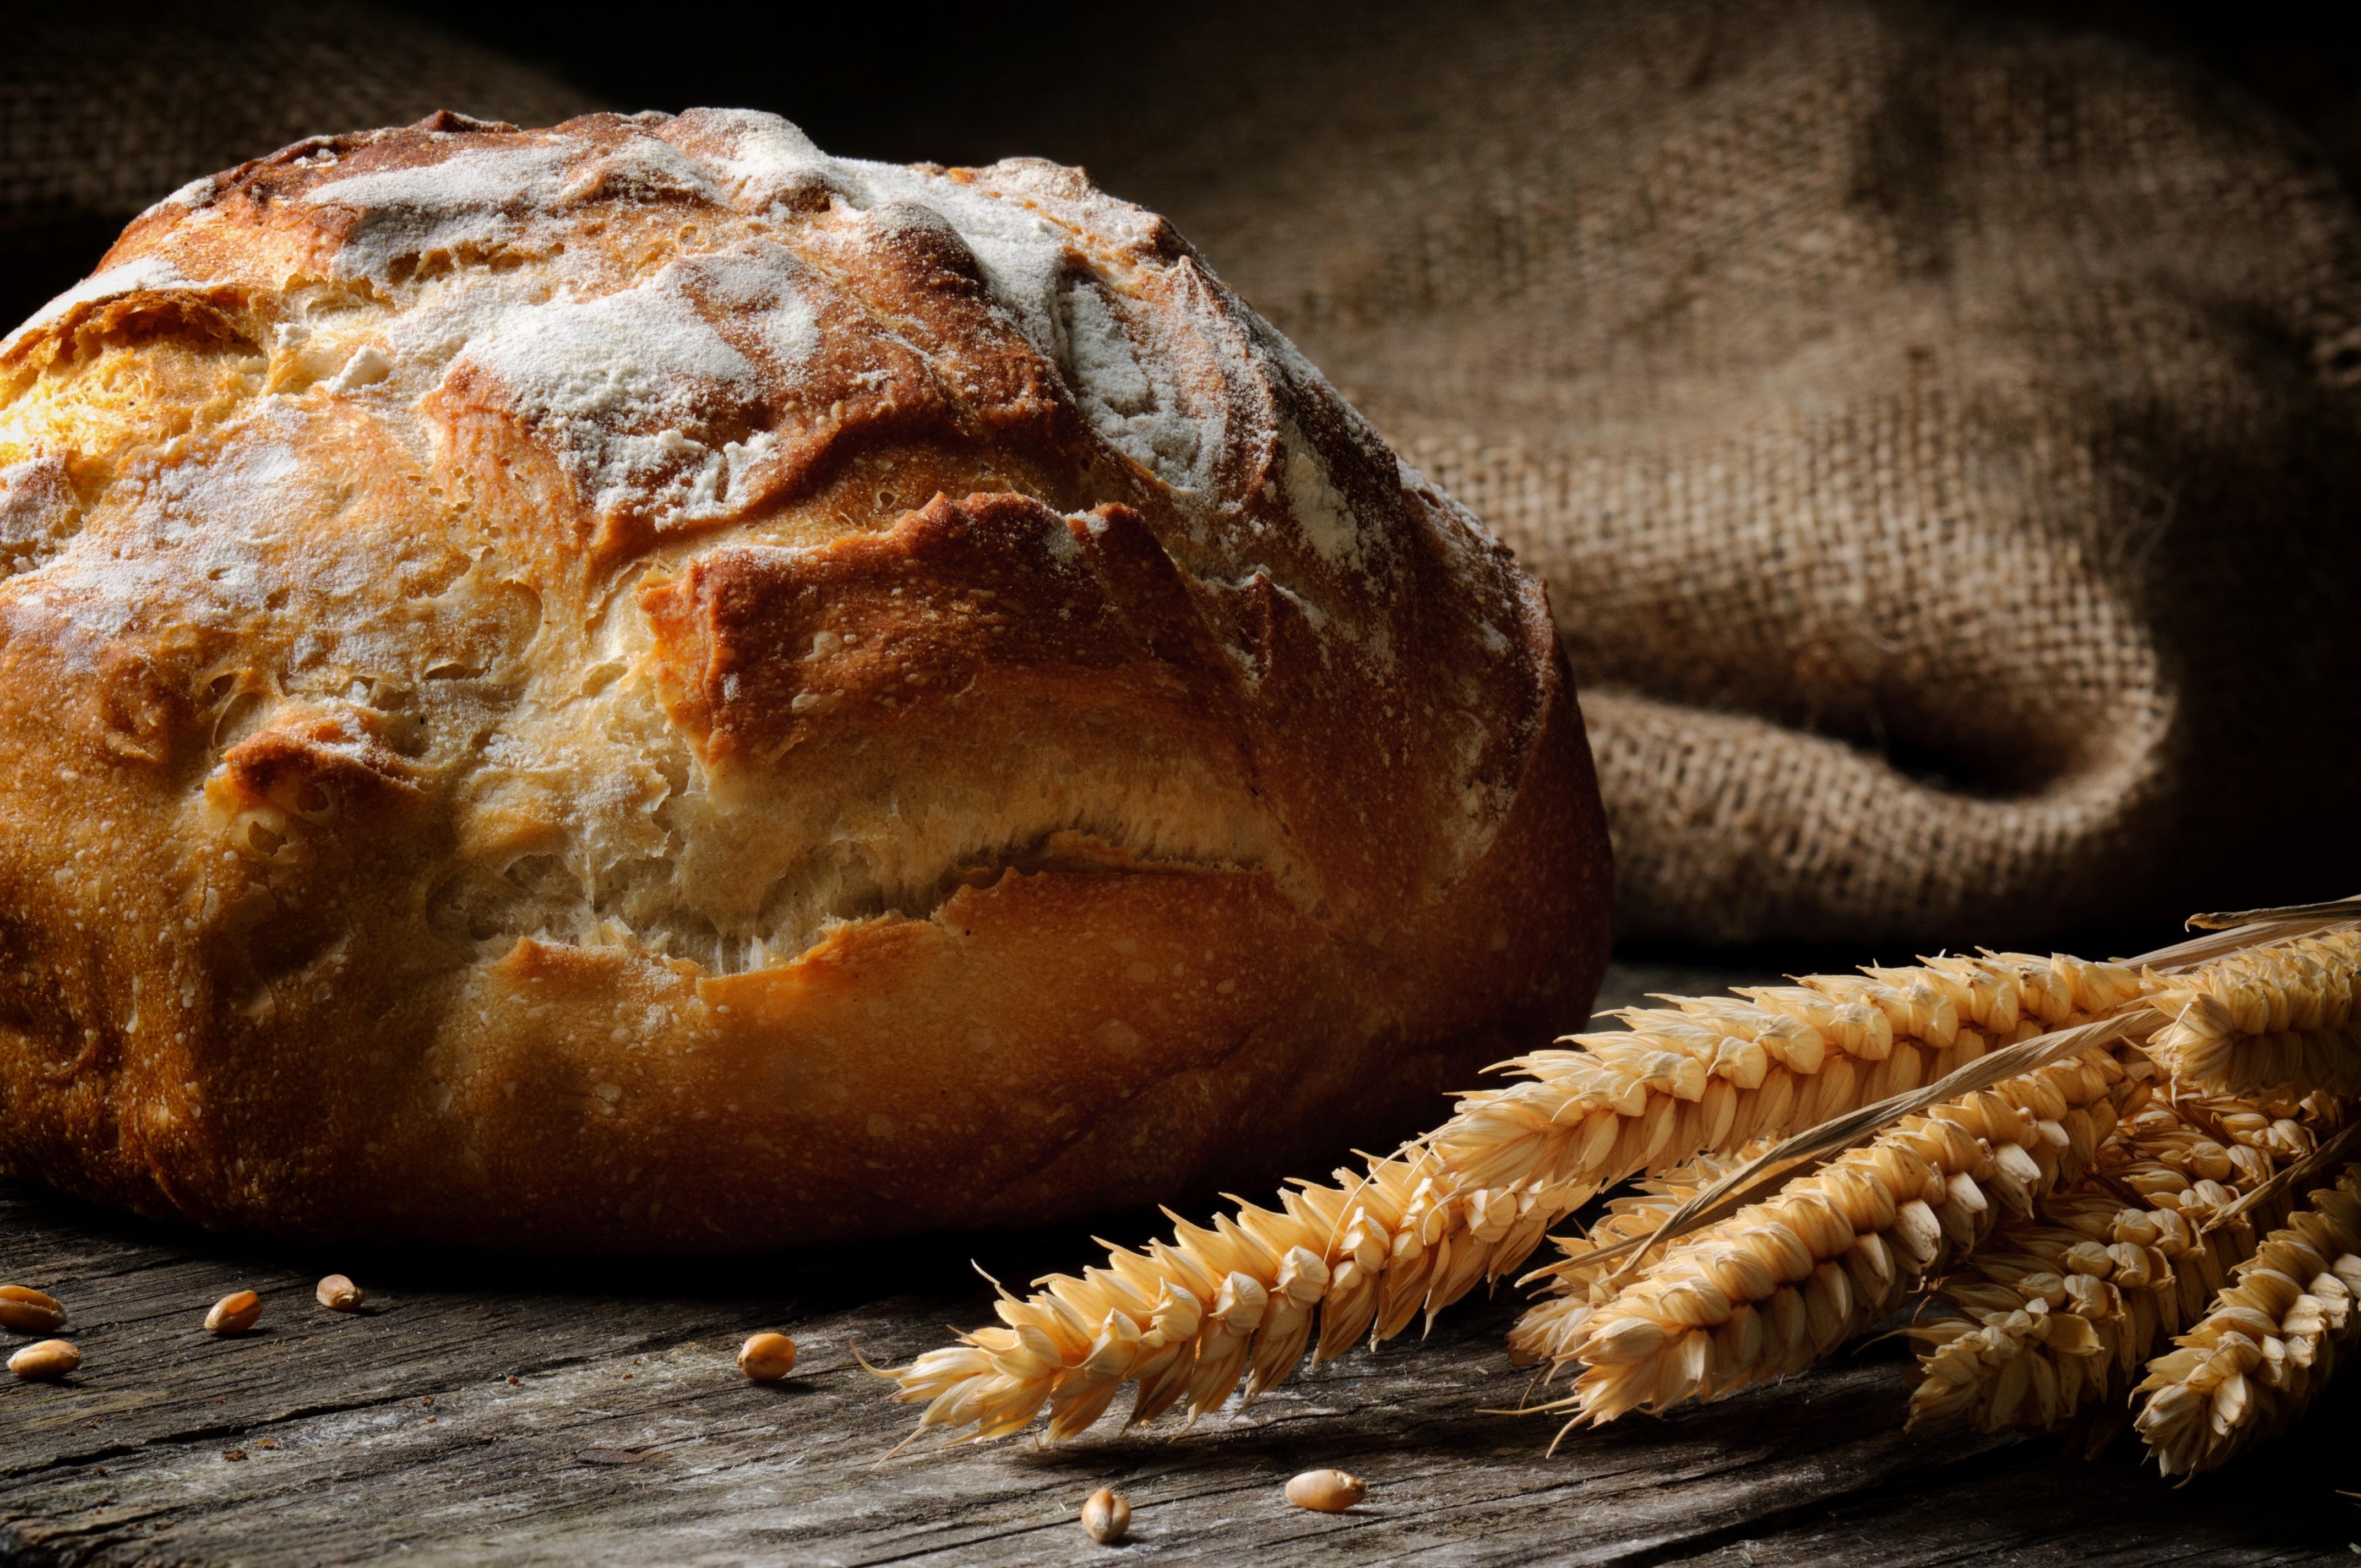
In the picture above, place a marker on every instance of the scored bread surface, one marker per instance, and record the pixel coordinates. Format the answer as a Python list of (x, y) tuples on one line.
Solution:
[(637, 686)]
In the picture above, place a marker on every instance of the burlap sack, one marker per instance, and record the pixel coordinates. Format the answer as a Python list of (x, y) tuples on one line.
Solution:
[(106, 108), (1938, 436)]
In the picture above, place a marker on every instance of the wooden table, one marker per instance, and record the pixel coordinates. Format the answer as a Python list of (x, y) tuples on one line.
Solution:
[(502, 1411)]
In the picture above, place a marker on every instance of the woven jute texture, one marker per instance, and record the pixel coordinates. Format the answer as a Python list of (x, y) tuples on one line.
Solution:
[(1938, 435), (105, 108)]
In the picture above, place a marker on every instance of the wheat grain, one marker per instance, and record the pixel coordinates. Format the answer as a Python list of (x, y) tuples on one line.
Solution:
[(1781, 1283), (46, 1361), (767, 1357), (2279, 1128), (2247, 1369), (1327, 1491), (1710, 1073), (234, 1313), (1107, 1517), (2281, 1016), (29, 1311), (1193, 1318), (2177, 1149), (2054, 1316)]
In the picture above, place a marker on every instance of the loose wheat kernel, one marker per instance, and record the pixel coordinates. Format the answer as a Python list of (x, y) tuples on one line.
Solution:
[(1106, 1517), (1327, 1491), (29, 1311), (767, 1357), (338, 1294), (52, 1358), (234, 1313)]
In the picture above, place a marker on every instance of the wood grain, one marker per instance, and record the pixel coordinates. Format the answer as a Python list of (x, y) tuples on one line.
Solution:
[(499, 1410)]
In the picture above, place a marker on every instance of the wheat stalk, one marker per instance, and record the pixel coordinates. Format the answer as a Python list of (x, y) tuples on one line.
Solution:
[(1366, 1255), (2275, 1017), (1709, 1073), (2053, 1317), (1191, 1318), (2248, 1368), (1780, 1283), (1420, 1228)]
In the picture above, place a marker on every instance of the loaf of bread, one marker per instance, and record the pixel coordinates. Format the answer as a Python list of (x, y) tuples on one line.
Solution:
[(637, 687)]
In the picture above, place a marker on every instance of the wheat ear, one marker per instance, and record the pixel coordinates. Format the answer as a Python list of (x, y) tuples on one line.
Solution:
[(1420, 1228), (2276, 1018), (1191, 1318), (2054, 1316), (1423, 1227), (1709, 1073), (2247, 1369), (1578, 1282), (1782, 1282)]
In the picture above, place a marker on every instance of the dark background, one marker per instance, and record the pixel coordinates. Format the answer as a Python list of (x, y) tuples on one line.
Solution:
[(969, 84), (951, 83)]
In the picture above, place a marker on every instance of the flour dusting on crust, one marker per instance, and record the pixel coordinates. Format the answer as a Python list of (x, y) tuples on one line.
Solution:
[(1142, 416), (479, 198), (618, 383)]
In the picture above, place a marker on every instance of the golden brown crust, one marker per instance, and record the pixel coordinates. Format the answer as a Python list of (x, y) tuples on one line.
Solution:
[(635, 687)]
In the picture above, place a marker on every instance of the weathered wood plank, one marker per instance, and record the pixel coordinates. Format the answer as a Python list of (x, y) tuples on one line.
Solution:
[(628, 1436)]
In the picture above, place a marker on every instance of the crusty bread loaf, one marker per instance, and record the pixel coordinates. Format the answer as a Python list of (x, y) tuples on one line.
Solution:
[(637, 687)]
